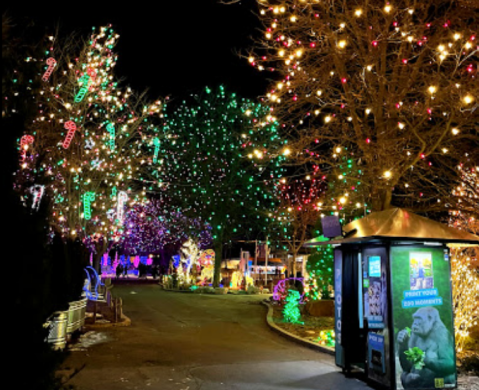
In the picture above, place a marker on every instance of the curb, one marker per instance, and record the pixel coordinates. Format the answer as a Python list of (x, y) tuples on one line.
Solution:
[(125, 322), (210, 294), (177, 291), (292, 337)]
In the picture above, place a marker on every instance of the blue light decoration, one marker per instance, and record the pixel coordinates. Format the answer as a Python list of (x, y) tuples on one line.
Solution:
[(176, 261), (87, 288)]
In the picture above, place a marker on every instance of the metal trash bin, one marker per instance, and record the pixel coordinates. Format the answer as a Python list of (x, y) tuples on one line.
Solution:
[(76, 315), (57, 324)]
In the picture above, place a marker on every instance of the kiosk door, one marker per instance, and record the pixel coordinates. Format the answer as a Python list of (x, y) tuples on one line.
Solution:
[(352, 335), (375, 302)]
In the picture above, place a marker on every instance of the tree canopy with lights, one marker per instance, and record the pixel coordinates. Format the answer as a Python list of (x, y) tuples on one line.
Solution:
[(84, 148), (220, 161), (390, 85)]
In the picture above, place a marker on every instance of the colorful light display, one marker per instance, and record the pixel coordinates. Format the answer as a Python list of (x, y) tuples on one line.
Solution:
[(217, 167), (86, 96)]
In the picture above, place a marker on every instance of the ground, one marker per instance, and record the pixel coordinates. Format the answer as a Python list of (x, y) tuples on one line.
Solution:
[(200, 342)]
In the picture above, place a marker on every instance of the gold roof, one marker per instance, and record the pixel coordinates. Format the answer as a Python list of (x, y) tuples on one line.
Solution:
[(399, 224)]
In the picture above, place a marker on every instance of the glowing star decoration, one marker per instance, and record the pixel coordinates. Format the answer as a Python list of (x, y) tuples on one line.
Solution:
[(37, 191), (85, 82), (156, 142), (88, 198), (111, 130), (89, 144), (110, 214), (52, 63), (71, 127), (96, 163), (122, 199), (25, 142)]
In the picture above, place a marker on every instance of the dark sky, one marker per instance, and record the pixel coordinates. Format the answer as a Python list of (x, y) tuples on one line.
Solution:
[(173, 47)]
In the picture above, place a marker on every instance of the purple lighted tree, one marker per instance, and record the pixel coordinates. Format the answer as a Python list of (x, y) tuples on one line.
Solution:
[(153, 226)]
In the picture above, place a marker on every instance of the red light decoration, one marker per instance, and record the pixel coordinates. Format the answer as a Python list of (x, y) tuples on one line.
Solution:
[(71, 127), (24, 143), (52, 63)]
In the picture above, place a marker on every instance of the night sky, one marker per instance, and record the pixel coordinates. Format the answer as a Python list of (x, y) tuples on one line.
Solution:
[(171, 48)]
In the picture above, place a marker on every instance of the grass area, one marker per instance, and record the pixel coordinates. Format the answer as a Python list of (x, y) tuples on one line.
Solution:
[(309, 330)]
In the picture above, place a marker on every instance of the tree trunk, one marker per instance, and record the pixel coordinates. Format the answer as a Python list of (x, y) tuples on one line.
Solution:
[(218, 261), (294, 264), (382, 199)]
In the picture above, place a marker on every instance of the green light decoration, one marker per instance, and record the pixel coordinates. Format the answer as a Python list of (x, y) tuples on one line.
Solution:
[(84, 81), (111, 130), (88, 198), (320, 269), (157, 144), (114, 192), (291, 312)]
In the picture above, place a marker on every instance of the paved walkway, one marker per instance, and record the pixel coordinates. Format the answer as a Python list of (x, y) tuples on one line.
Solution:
[(200, 342)]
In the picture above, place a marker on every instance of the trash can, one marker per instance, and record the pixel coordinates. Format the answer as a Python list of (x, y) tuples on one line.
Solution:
[(57, 324)]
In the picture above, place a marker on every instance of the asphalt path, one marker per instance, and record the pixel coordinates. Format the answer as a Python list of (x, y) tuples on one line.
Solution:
[(200, 342)]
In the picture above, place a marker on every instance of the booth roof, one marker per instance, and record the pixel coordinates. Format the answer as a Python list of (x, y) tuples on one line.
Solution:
[(398, 224)]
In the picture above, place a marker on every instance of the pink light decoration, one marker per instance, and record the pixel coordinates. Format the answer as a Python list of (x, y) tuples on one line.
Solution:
[(136, 262), (24, 144), (149, 261), (52, 63), (71, 127), (116, 262), (281, 287), (91, 258), (105, 259)]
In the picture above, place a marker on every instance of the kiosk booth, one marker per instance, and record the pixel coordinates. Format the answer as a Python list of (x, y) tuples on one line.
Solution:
[(393, 296)]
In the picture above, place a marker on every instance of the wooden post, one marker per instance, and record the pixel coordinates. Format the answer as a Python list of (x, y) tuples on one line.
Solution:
[(94, 312), (266, 255)]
